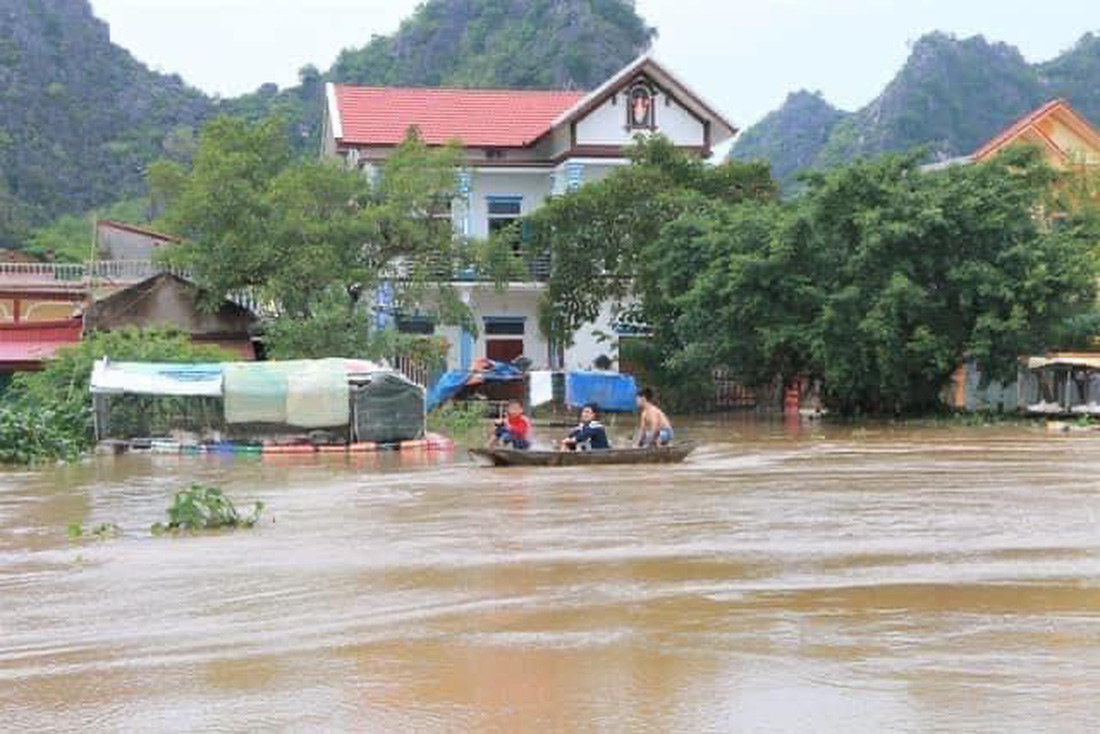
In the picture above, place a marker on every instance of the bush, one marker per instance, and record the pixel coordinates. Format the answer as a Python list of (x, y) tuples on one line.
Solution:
[(30, 435)]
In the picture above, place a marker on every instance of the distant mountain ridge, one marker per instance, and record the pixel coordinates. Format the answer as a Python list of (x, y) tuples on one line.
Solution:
[(950, 97), (80, 118)]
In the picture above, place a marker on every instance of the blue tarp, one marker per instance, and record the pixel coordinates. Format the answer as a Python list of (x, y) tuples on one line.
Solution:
[(612, 392), (452, 382)]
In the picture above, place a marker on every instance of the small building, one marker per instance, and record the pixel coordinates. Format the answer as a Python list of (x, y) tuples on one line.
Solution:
[(122, 241), (1065, 136), (167, 300)]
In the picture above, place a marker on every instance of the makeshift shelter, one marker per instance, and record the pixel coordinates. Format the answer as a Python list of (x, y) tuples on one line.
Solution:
[(252, 401), (1062, 384)]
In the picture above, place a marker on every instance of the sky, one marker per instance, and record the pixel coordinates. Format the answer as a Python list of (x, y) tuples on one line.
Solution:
[(744, 57)]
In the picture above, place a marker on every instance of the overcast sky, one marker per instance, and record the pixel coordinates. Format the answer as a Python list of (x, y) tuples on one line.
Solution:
[(743, 56)]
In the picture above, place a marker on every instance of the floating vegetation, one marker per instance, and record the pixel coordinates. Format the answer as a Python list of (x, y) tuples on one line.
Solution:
[(205, 508), (102, 531)]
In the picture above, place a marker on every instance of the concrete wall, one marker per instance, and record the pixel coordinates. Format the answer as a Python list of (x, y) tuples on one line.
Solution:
[(120, 244), (521, 300), (606, 125), (533, 186)]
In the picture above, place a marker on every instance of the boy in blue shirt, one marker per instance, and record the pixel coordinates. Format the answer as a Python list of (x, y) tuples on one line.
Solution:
[(590, 435)]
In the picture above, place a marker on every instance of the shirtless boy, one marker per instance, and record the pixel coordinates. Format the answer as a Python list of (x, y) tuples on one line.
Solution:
[(654, 428)]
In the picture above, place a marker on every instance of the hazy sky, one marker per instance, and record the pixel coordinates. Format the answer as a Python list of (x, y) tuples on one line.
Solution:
[(744, 56)]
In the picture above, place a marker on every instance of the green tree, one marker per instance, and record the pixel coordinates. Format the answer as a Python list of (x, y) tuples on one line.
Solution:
[(882, 279)]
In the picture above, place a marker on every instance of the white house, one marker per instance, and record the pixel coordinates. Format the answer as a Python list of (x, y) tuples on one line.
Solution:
[(521, 148)]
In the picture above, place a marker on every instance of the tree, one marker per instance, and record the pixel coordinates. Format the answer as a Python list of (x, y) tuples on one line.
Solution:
[(882, 280), (599, 238)]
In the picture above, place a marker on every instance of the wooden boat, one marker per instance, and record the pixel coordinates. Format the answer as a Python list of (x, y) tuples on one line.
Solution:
[(510, 457)]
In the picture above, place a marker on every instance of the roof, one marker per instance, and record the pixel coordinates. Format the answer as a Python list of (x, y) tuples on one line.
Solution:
[(646, 63), (135, 229), (139, 305), (477, 117), (1029, 122), (38, 343)]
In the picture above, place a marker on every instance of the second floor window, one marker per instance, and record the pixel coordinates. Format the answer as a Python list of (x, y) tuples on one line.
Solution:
[(504, 211)]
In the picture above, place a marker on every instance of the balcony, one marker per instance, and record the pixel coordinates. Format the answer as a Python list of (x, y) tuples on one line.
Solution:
[(76, 277)]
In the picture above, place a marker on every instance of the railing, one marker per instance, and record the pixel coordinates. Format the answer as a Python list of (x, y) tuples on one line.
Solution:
[(80, 274), (443, 269)]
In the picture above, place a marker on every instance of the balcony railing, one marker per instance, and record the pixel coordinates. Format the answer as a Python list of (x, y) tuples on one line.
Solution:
[(444, 270), (79, 275)]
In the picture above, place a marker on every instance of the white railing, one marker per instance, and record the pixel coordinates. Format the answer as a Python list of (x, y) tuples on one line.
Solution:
[(414, 370), (111, 271)]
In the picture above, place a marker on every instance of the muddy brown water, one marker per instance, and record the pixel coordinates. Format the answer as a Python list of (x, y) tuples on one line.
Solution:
[(784, 579)]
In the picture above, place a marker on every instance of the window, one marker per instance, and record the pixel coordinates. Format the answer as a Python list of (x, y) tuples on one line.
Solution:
[(422, 325), (640, 113), (505, 326), (503, 212)]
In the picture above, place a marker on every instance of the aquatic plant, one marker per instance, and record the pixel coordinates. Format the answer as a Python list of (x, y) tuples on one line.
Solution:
[(205, 508), (100, 532)]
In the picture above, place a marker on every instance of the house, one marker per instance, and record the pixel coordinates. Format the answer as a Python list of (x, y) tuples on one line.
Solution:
[(167, 300), (38, 316), (521, 148), (1069, 142), (122, 241), (1065, 136)]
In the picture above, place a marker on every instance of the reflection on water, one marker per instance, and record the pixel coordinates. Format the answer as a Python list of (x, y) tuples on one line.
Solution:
[(784, 579)]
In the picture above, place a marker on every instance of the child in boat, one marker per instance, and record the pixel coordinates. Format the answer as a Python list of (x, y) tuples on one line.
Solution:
[(590, 435), (514, 429), (654, 428)]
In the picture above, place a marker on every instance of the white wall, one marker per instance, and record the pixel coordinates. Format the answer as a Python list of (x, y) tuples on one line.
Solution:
[(606, 125), (533, 186), (517, 301), (593, 340)]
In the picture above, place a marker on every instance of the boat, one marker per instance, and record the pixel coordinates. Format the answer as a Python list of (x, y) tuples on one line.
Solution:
[(510, 457)]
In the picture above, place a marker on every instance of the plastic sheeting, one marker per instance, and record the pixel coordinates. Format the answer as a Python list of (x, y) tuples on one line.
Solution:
[(303, 393), (389, 409), (256, 393), (541, 386), (612, 392), (148, 378), (317, 395), (452, 382)]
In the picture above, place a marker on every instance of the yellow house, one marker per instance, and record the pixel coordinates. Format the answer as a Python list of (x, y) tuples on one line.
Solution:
[(1067, 138)]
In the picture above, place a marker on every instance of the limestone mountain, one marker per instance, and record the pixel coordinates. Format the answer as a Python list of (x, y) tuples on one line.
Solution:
[(949, 97), (80, 118)]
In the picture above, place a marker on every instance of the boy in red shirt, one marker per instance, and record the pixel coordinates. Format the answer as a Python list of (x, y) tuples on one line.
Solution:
[(514, 429)]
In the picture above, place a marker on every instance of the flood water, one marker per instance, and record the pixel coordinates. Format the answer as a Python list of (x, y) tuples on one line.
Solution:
[(784, 579)]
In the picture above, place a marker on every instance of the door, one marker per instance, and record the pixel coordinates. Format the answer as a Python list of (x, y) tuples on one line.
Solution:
[(504, 350)]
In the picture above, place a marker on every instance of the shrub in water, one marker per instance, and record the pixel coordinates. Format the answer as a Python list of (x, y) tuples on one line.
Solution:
[(205, 508)]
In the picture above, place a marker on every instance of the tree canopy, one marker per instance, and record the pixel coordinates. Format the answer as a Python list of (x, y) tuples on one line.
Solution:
[(879, 281)]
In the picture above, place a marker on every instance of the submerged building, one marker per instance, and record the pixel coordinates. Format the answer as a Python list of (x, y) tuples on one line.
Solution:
[(520, 149)]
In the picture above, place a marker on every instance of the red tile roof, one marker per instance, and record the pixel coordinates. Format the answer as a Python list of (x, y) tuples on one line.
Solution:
[(477, 117)]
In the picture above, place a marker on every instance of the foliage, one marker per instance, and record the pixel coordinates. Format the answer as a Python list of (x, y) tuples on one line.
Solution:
[(35, 435), (880, 280), (205, 508), (81, 119), (502, 43), (457, 419), (47, 415), (313, 236), (597, 237), (103, 531)]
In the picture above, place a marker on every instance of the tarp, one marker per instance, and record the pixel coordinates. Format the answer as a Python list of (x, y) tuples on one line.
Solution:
[(486, 371), (299, 393), (256, 393), (389, 409), (317, 395), (147, 378), (612, 392)]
